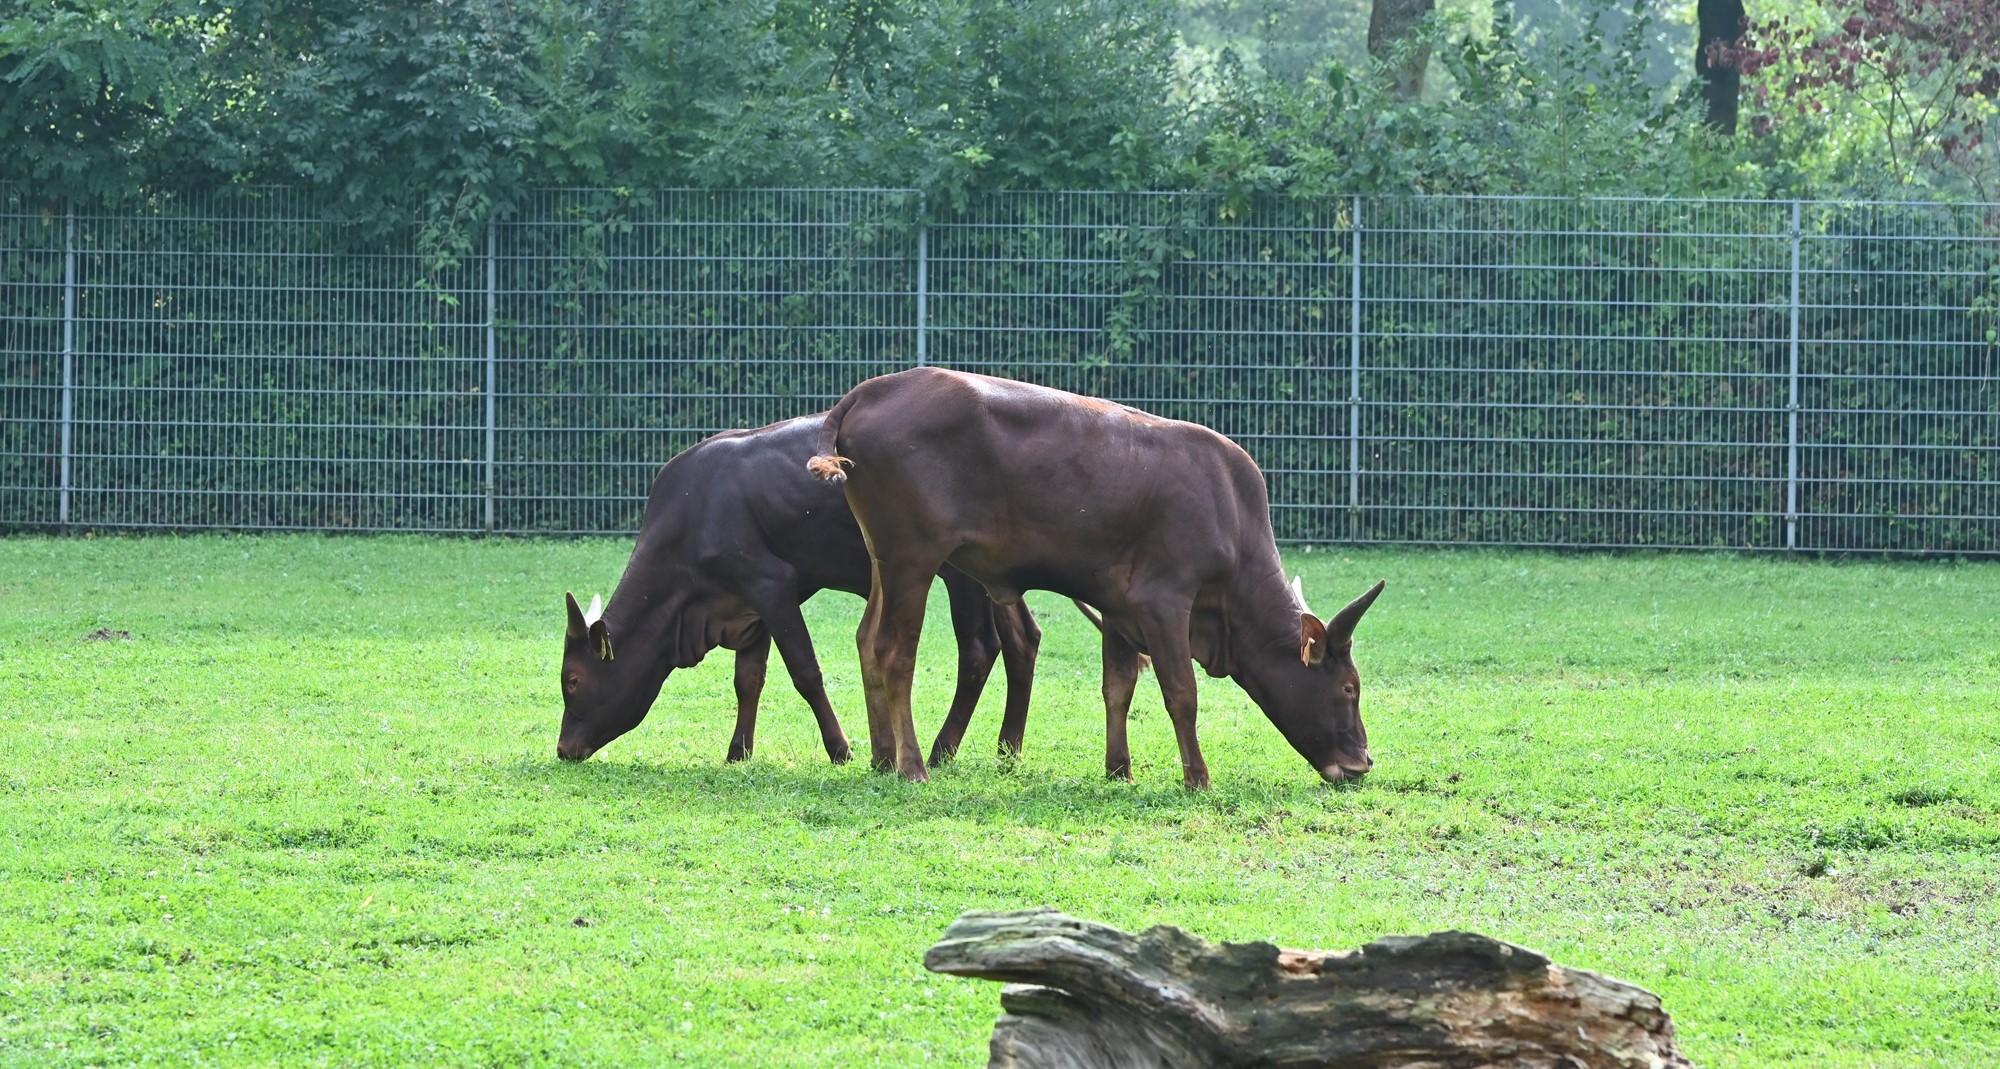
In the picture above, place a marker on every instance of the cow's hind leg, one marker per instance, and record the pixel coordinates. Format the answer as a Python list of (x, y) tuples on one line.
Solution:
[(750, 663), (787, 628), (881, 741), (887, 641), (978, 646), (1121, 677)]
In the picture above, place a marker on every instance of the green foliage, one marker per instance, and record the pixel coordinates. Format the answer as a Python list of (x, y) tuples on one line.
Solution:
[(678, 92), (1039, 95), (310, 812), (392, 92), (1901, 94), (1572, 117), (88, 90), (1285, 40), (451, 110)]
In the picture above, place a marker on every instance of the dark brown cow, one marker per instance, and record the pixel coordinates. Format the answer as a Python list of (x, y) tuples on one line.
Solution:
[(1164, 526), (735, 537)]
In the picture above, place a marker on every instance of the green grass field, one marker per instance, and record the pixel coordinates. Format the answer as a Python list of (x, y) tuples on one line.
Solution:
[(310, 812)]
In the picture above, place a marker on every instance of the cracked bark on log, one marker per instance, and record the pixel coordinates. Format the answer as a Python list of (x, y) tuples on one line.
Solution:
[(1081, 995)]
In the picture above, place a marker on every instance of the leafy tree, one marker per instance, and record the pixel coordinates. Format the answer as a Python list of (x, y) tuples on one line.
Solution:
[(88, 90), (1393, 42), (1041, 94), (1918, 77), (1288, 40), (684, 92), (1720, 25), (392, 101), (1574, 116)]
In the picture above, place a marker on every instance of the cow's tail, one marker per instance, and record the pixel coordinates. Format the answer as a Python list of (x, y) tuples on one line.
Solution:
[(827, 464), (1097, 621)]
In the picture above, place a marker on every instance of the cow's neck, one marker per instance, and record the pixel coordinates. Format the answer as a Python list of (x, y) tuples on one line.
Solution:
[(662, 629), (1263, 628)]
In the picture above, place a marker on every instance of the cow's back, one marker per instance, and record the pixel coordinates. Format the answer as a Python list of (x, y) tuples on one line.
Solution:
[(1037, 488), (731, 503)]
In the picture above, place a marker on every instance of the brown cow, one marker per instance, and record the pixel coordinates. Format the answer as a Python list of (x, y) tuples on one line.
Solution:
[(734, 538), (1163, 525)]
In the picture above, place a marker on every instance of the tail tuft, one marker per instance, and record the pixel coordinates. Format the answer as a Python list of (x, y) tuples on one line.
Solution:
[(831, 469)]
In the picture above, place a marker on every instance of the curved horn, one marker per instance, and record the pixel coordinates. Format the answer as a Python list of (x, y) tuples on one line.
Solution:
[(1340, 629)]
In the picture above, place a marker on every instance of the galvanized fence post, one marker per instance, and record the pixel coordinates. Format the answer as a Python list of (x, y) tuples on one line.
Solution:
[(68, 362), (1792, 399), (1354, 374), (923, 281), (492, 351)]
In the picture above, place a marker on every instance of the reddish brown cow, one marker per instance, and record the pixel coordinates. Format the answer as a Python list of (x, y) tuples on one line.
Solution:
[(735, 537), (1163, 525)]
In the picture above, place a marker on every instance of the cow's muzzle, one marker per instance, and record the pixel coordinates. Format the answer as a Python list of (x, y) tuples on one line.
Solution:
[(1344, 770), (574, 751)]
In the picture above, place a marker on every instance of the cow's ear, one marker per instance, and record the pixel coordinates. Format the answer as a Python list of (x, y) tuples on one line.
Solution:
[(600, 640), (577, 628), (1312, 639)]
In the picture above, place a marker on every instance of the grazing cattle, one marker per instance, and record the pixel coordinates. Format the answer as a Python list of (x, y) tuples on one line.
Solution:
[(734, 538), (1164, 526)]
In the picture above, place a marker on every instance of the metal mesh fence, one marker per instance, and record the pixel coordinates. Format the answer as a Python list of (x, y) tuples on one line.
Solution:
[(1448, 370), (1575, 373), (629, 327), (231, 361)]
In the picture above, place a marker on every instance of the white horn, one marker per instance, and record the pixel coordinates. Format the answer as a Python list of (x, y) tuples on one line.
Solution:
[(595, 612), (1299, 591)]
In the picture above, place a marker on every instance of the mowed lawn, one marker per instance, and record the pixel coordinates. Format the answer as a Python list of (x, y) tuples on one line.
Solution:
[(309, 812)]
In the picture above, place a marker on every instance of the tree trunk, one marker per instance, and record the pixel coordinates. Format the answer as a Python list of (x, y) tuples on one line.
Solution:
[(1721, 23), (1086, 996), (1389, 23)]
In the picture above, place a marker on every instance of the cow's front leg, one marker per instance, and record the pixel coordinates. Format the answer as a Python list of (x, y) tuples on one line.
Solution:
[(750, 663), (1166, 635), (787, 628)]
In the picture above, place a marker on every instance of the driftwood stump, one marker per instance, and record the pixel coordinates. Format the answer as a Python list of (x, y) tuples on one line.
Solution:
[(1085, 996)]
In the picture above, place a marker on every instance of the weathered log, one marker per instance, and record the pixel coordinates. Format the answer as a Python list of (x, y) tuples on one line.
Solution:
[(1081, 995)]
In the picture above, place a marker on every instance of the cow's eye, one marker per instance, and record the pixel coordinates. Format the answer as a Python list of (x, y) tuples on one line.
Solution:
[(569, 684), (1349, 688)]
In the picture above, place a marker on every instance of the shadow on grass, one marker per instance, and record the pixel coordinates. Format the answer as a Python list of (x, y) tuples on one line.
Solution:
[(982, 790)]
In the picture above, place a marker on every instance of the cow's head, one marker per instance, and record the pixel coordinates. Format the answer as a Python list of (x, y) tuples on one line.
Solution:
[(1322, 714), (601, 700)]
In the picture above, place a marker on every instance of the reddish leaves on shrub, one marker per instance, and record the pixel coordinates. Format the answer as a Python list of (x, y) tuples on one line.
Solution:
[(1923, 68)]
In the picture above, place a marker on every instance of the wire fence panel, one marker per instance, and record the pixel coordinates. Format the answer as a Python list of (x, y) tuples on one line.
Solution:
[(1237, 320), (240, 364), (1511, 371), (1553, 372), (630, 327), (1900, 389), (33, 266)]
